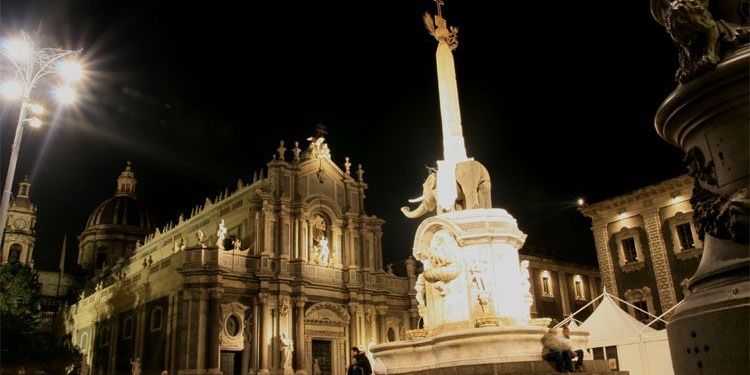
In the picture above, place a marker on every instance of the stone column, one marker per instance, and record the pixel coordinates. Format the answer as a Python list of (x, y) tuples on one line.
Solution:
[(354, 309), (299, 338), (248, 329), (114, 334), (214, 327), (296, 243), (255, 346), (141, 327), (304, 240), (257, 226), (382, 332), (563, 287), (336, 245), (264, 318), (195, 335)]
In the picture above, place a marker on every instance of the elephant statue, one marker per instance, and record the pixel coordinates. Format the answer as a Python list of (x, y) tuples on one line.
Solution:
[(472, 185)]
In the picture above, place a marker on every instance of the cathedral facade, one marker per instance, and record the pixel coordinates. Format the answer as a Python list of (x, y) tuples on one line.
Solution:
[(266, 279)]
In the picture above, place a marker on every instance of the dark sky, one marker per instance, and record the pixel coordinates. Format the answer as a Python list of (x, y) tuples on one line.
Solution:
[(557, 100)]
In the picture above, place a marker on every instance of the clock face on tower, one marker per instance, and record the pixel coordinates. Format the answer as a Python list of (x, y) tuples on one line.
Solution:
[(19, 223)]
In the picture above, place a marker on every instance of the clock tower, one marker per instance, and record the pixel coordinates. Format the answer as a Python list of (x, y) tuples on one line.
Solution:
[(19, 235)]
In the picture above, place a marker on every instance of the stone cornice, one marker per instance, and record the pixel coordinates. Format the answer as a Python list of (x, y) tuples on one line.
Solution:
[(648, 192)]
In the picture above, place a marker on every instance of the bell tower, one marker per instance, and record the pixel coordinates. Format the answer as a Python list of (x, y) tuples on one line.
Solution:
[(19, 236)]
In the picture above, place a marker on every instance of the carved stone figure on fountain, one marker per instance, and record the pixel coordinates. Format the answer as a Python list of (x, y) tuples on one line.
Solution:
[(440, 265), (476, 269), (420, 288), (473, 189)]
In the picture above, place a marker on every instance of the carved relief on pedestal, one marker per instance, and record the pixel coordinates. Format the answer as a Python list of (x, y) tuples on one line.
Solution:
[(477, 268), (442, 260)]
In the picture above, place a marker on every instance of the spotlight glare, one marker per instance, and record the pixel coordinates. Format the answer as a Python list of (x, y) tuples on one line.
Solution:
[(12, 89), (64, 94)]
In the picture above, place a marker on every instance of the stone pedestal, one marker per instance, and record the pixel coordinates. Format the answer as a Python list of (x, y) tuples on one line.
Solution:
[(471, 298), (472, 273), (707, 118)]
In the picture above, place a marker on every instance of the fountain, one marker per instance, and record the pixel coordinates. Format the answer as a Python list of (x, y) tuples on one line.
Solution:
[(473, 294)]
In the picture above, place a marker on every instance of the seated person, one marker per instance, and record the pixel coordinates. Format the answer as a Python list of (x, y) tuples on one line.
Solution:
[(557, 349), (578, 353)]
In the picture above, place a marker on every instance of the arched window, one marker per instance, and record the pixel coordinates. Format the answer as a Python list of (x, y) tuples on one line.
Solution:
[(391, 334), (14, 254)]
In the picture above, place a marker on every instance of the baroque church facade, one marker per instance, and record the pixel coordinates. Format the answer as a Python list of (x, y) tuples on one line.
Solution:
[(269, 278)]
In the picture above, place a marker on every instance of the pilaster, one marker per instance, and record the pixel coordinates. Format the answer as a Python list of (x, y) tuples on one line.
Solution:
[(299, 305), (659, 259)]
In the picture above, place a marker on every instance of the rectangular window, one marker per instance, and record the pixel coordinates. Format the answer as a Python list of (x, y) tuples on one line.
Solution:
[(685, 236), (104, 336), (127, 328), (628, 249), (156, 319), (546, 287), (640, 315), (579, 289)]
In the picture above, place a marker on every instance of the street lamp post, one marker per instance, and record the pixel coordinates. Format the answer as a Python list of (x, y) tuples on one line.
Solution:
[(31, 63)]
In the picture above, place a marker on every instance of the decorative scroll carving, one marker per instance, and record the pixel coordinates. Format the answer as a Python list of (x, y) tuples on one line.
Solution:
[(326, 312), (719, 216)]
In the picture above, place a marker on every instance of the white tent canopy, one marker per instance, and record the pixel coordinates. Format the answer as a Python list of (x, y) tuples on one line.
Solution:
[(610, 325), (641, 349)]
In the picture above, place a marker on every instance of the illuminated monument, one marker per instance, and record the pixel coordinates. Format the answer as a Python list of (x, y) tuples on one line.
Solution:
[(473, 294)]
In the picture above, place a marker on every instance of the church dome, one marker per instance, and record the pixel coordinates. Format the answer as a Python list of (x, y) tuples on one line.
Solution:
[(115, 228), (123, 209)]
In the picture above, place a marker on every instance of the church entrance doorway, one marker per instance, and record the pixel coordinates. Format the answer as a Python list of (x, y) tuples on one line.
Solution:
[(321, 351)]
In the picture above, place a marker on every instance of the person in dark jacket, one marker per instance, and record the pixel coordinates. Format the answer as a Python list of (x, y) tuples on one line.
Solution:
[(360, 364)]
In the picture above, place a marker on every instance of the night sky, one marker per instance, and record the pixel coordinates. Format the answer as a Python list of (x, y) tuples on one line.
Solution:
[(557, 101)]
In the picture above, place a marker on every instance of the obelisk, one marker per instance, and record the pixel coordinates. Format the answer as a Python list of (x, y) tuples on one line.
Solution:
[(454, 150)]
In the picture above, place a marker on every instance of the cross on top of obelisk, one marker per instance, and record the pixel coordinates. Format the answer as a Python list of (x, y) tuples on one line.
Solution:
[(439, 10)]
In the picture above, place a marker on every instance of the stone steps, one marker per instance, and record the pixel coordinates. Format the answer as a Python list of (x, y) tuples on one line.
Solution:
[(593, 367)]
